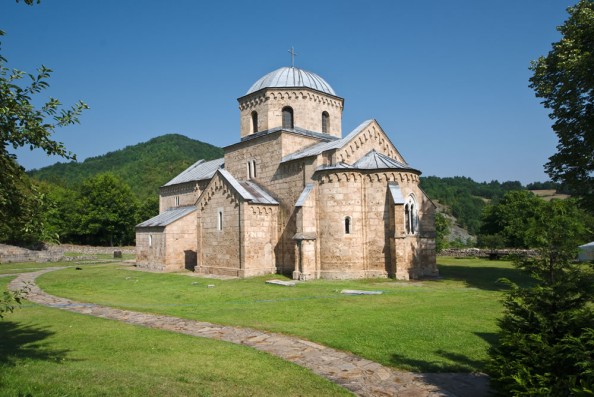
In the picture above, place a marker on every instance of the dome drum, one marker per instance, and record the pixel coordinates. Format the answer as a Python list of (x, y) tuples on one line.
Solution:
[(313, 102)]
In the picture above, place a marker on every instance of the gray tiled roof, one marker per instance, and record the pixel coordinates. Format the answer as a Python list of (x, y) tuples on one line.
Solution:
[(198, 171), (303, 196), (248, 190), (396, 193), (324, 146), (167, 217), (371, 161), (374, 160), (296, 130), (292, 77), (260, 196)]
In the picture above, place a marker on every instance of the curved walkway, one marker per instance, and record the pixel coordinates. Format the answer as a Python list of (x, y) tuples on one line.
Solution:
[(362, 377)]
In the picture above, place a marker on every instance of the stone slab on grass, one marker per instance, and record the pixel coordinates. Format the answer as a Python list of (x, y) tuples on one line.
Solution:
[(281, 282), (360, 292)]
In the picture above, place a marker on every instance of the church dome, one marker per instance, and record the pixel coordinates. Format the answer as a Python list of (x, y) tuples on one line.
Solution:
[(292, 77)]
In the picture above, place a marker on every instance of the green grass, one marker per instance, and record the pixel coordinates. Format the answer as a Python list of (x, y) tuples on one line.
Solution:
[(429, 326), (49, 352), (14, 268)]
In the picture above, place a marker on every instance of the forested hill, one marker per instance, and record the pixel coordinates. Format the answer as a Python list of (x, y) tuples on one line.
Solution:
[(144, 167), (465, 199)]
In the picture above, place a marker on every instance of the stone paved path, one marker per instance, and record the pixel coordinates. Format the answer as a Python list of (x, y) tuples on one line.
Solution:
[(362, 377)]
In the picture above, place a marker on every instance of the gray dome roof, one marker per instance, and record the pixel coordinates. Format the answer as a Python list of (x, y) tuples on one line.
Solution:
[(292, 77)]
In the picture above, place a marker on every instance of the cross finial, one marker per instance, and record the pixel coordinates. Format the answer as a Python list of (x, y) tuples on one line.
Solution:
[(293, 54)]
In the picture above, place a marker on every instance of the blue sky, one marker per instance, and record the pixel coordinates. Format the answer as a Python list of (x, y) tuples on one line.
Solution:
[(447, 80)]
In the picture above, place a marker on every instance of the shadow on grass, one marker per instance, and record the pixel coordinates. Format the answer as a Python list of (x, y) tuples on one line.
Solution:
[(482, 277), (19, 342), (458, 363), (455, 362)]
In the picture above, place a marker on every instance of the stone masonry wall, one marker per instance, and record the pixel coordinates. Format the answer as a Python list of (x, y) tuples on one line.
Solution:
[(219, 251), (181, 244), (187, 194), (342, 255), (151, 248), (307, 105), (260, 231)]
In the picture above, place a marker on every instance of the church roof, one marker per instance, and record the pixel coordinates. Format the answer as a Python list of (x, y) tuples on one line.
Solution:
[(292, 77), (374, 160), (198, 171), (295, 130), (167, 217), (371, 161), (248, 190), (324, 146)]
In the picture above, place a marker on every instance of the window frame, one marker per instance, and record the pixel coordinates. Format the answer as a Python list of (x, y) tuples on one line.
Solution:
[(287, 110)]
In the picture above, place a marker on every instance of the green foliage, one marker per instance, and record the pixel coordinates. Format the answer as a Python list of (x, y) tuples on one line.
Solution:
[(9, 301), (442, 230), (508, 219), (465, 197), (145, 166), (21, 206), (545, 342), (564, 80), (107, 210)]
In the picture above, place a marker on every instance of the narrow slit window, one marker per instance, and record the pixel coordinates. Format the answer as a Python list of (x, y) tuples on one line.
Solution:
[(254, 121), (325, 122), (347, 225), (177, 201), (220, 220), (288, 117), (150, 240)]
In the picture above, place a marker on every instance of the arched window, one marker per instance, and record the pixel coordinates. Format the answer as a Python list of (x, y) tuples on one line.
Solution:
[(347, 225), (251, 169), (150, 240), (288, 117), (254, 121), (220, 220), (410, 215), (325, 122)]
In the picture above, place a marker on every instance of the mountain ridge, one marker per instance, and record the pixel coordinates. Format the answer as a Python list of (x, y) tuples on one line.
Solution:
[(144, 167)]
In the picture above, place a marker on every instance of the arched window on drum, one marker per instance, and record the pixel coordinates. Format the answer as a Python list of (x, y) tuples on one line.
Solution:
[(411, 217)]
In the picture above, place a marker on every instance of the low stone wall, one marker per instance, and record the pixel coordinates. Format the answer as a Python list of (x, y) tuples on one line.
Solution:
[(485, 253), (55, 253)]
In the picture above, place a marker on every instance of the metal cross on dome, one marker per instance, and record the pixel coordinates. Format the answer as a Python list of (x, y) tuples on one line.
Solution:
[(293, 55)]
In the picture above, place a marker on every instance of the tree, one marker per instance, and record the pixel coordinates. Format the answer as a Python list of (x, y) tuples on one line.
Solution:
[(107, 210), (10, 300), (546, 338), (442, 230), (508, 219), (22, 124), (564, 79)]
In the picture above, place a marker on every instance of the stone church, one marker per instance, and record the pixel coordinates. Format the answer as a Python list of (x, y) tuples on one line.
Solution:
[(295, 196)]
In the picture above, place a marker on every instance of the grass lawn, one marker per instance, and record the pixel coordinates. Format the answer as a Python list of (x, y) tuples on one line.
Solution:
[(49, 352), (429, 326), (14, 268)]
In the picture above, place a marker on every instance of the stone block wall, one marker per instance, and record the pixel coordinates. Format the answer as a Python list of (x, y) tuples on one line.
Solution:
[(307, 105), (180, 195), (219, 246), (342, 255), (181, 244), (260, 238), (151, 248)]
